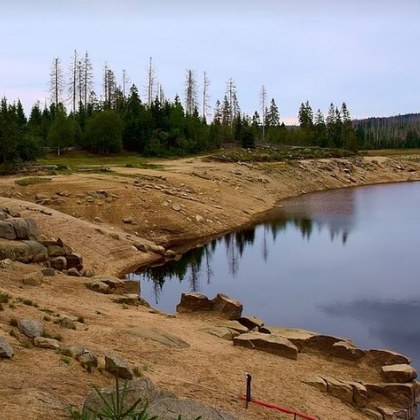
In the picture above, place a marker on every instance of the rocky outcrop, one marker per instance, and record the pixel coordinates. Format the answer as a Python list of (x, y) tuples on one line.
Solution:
[(20, 241), (33, 279), (269, 343), (194, 302), (251, 322), (118, 366), (346, 350), (386, 357), (226, 307)]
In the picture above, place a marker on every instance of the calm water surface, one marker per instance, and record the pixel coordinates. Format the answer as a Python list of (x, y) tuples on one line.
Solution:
[(342, 262)]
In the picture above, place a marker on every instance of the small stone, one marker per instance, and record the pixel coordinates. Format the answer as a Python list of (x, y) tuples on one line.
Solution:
[(6, 351), (33, 279), (58, 263), (66, 323), (317, 382), (46, 343), (169, 254), (118, 366), (129, 299), (88, 272), (176, 207), (7, 264), (88, 360), (73, 272), (251, 322), (48, 272), (222, 332), (127, 220)]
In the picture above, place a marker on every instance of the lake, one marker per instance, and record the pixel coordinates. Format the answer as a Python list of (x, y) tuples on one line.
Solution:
[(343, 262)]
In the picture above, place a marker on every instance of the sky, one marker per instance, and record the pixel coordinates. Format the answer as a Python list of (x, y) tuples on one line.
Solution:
[(362, 52)]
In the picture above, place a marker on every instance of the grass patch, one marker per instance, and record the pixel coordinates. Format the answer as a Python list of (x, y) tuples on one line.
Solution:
[(29, 302), (277, 154), (82, 159), (4, 297), (391, 152), (32, 180), (65, 352), (66, 360)]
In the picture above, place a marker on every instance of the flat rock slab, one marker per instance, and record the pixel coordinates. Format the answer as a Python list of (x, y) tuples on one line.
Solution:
[(235, 326), (46, 343), (399, 373), (269, 343), (251, 322), (386, 357), (402, 395), (222, 332), (158, 336), (339, 389), (346, 350)]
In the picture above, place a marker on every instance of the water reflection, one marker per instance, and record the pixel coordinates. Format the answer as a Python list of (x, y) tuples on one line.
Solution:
[(389, 321), (330, 262)]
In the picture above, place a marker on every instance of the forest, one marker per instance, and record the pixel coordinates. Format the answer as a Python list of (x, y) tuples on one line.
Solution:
[(119, 120)]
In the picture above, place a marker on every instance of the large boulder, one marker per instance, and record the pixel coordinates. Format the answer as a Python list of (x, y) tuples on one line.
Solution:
[(386, 357), (118, 366), (399, 373), (175, 408), (74, 260), (269, 343), (23, 251), (24, 228), (194, 302), (142, 389), (6, 351), (7, 231), (161, 403), (321, 343), (227, 307), (30, 327)]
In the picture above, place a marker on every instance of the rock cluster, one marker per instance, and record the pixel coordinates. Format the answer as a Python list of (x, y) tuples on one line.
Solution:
[(394, 398), (20, 241)]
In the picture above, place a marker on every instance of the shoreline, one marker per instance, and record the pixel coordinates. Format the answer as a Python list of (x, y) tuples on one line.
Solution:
[(121, 221)]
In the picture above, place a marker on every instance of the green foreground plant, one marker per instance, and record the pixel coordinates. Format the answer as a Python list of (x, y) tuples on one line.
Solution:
[(114, 407)]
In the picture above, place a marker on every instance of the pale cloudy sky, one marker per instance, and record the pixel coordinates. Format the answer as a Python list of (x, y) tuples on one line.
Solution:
[(363, 52)]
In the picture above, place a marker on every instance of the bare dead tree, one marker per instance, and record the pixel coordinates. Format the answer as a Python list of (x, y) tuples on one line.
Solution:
[(151, 82), (190, 92), (263, 101), (206, 96), (87, 76), (56, 81)]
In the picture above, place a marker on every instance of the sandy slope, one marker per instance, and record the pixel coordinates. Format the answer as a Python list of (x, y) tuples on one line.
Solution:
[(189, 199)]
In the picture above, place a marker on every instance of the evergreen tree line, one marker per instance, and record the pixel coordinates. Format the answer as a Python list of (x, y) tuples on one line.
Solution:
[(402, 131), (120, 120)]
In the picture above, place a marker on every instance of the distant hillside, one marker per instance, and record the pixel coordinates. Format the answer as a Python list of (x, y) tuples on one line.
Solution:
[(388, 132)]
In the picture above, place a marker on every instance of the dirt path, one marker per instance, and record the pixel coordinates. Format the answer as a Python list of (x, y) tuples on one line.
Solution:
[(103, 217)]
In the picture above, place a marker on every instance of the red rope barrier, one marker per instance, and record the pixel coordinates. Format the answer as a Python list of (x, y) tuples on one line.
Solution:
[(278, 408)]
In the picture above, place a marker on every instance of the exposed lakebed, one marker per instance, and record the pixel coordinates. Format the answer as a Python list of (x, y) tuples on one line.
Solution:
[(342, 262)]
